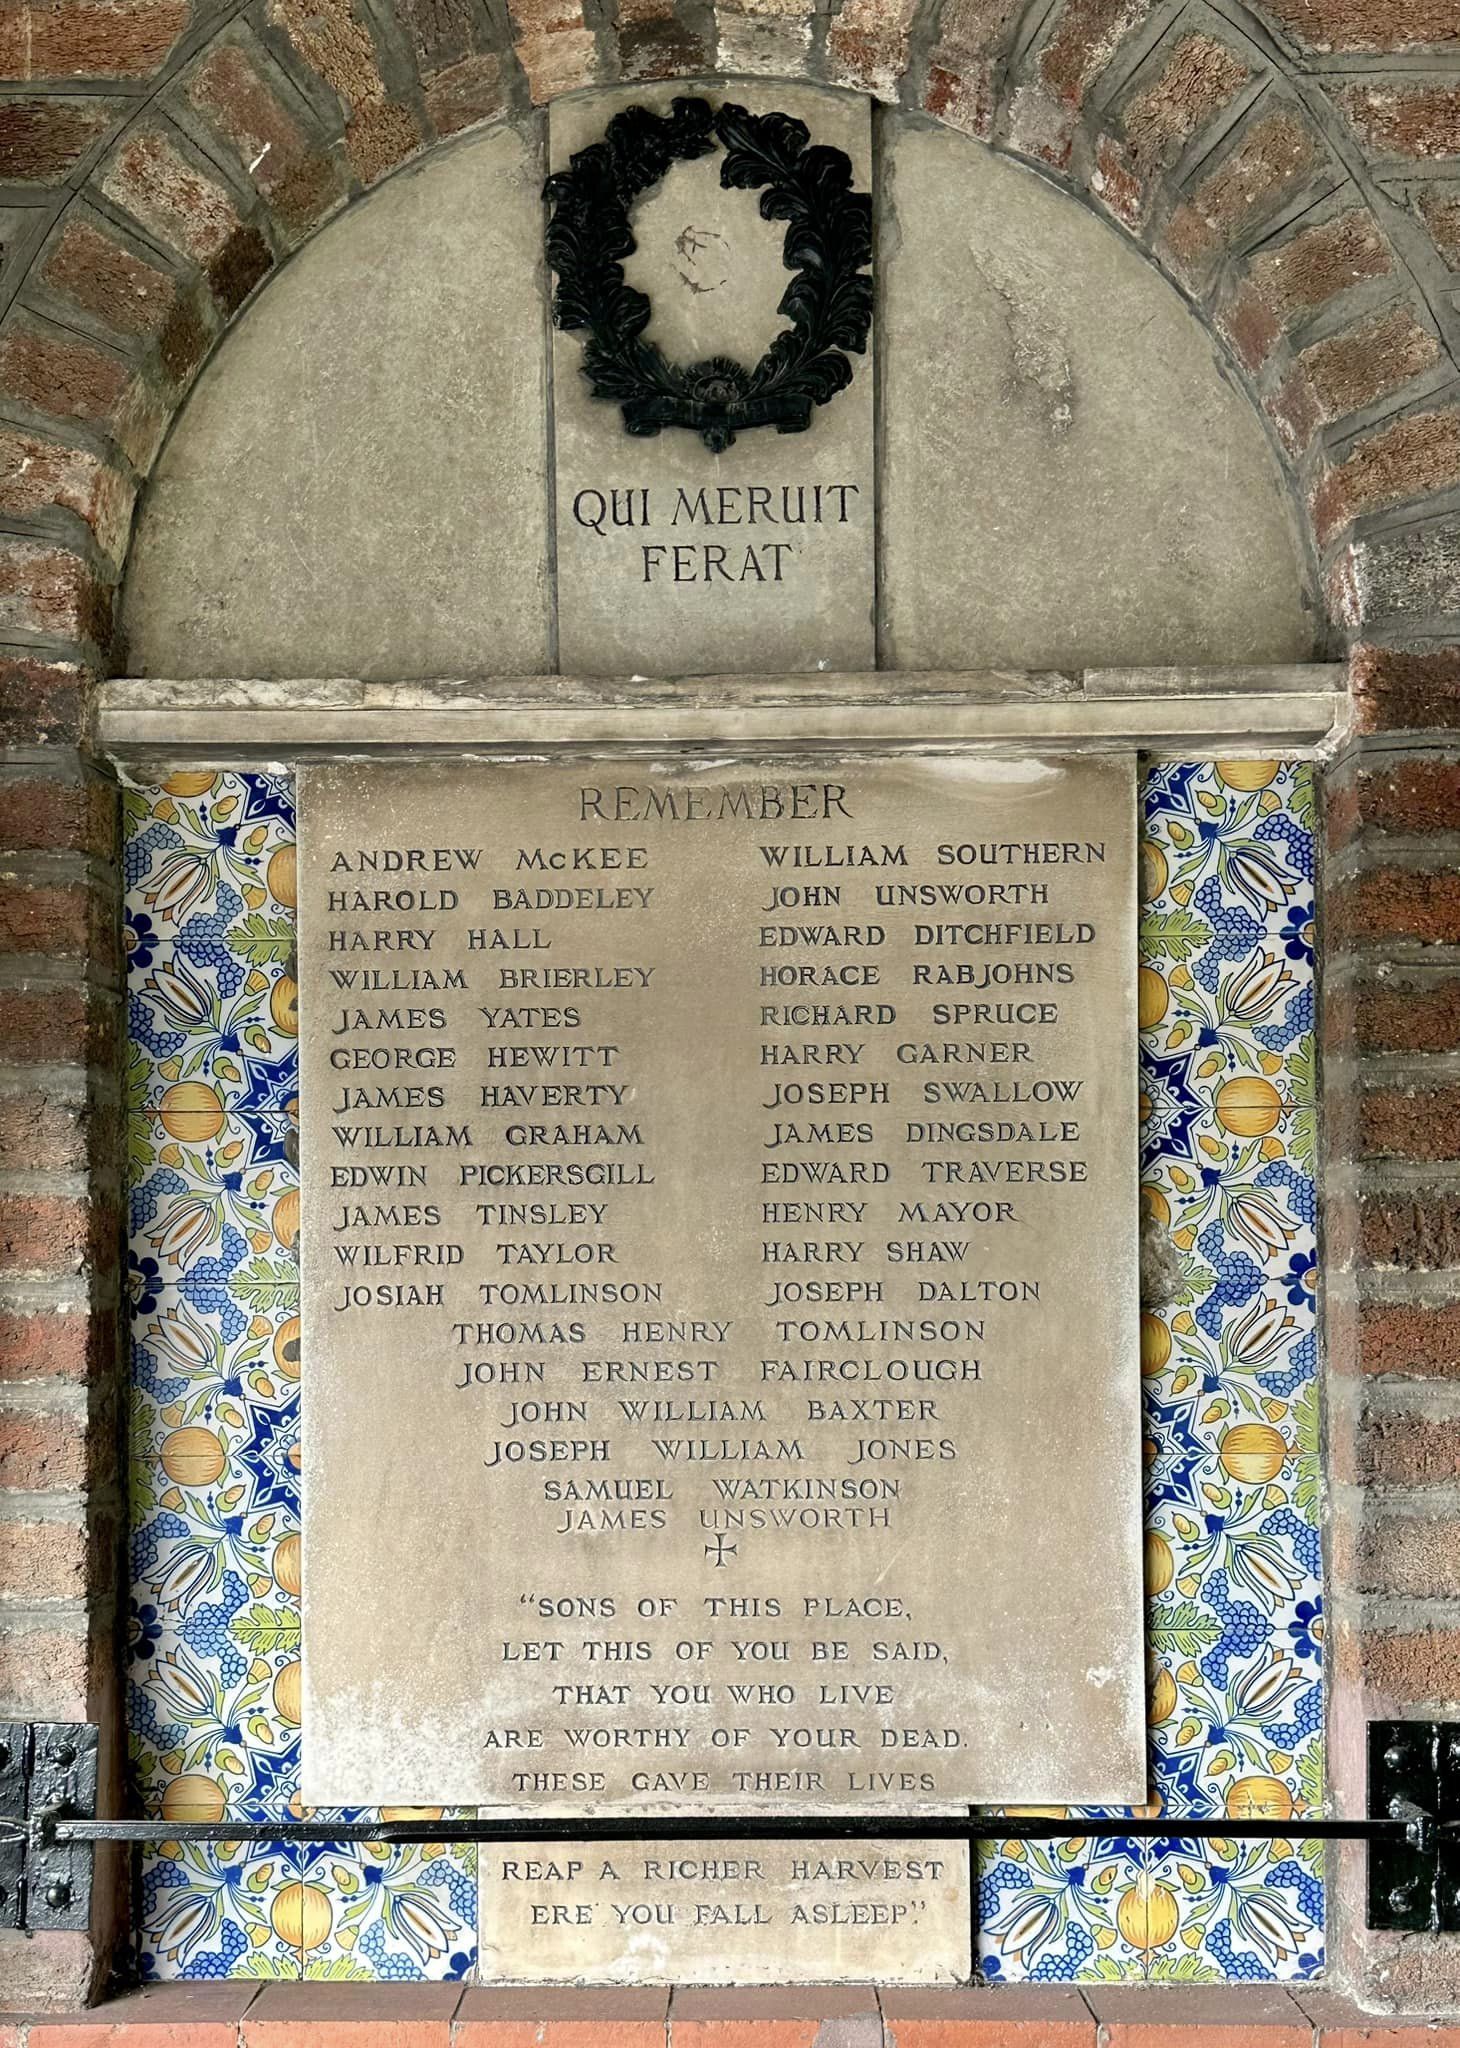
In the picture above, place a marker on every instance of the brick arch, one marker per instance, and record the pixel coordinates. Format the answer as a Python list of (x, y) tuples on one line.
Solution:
[(174, 164)]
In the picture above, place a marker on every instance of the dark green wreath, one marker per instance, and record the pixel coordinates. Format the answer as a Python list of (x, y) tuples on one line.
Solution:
[(828, 243)]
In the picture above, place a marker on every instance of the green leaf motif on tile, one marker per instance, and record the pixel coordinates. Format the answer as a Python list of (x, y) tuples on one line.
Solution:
[(1303, 1137), (1310, 1778), (1308, 1422), (263, 1285), (262, 941), (1173, 934), (1182, 1970), (1186, 1629), (1303, 797), (1197, 1281), (138, 1077), (1101, 1970), (264, 1629), (140, 1159)]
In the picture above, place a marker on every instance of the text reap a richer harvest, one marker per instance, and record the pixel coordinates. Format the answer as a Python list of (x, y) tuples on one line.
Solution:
[(702, 1140)]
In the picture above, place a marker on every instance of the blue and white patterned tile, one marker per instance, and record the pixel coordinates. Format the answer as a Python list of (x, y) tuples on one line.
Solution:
[(397, 1914), (204, 1210), (219, 1909), (1245, 1911), (1228, 1076), (1229, 1365), (213, 1295), (1235, 1636), (1067, 1911)]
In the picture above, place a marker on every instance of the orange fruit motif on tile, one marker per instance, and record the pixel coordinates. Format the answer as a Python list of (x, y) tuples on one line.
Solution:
[(193, 1456), (1249, 1106), (286, 1570), (1259, 1799), (1254, 1452), (1148, 1914), (1160, 1564), (1247, 775), (192, 1111), (194, 1797), (282, 875), (1155, 1345), (1153, 998), (302, 1915), (286, 1348), (189, 782), (284, 1005), (288, 1694), (286, 1219), (1153, 869), (1163, 1697)]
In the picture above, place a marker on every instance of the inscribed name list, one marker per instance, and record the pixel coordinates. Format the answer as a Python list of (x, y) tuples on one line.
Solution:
[(719, 1284)]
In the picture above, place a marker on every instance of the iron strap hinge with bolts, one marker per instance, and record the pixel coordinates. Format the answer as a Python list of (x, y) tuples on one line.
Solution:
[(47, 1775), (1414, 1776)]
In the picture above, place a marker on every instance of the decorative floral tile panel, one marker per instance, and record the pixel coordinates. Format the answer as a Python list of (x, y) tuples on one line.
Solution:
[(212, 1127), (1228, 1356), (1234, 1581)]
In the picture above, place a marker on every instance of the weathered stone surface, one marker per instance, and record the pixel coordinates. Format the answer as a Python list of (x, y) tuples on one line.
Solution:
[(667, 558), (714, 1220), (1067, 477), (727, 1913), (359, 482)]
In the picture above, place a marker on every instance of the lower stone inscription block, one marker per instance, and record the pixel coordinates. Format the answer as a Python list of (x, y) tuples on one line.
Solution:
[(726, 1913), (719, 1284)]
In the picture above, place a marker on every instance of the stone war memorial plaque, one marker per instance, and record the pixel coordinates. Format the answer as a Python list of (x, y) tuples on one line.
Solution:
[(720, 1285), (676, 557)]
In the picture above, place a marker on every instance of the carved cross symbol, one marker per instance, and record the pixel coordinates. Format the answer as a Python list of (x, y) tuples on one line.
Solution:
[(720, 1552)]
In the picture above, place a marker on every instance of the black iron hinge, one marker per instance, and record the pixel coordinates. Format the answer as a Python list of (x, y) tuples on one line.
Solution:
[(1414, 1776), (47, 1774)]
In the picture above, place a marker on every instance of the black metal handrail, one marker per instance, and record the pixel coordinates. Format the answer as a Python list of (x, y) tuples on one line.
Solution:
[(49, 1771), (1412, 1825)]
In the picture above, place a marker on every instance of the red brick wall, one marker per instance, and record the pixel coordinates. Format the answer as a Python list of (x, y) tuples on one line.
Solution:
[(1392, 1028), (61, 1519), (1290, 170)]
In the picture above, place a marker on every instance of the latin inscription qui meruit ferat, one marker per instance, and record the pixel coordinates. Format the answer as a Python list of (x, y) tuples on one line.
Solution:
[(720, 1285)]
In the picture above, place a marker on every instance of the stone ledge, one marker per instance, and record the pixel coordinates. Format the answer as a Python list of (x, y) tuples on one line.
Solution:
[(245, 2015), (1186, 713)]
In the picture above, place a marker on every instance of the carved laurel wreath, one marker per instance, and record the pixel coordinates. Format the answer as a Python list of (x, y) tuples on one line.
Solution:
[(828, 243)]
